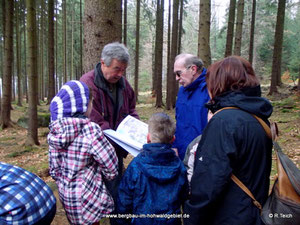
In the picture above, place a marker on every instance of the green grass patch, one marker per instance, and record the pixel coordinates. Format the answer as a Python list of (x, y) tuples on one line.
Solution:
[(26, 150), (31, 169), (52, 185), (7, 139)]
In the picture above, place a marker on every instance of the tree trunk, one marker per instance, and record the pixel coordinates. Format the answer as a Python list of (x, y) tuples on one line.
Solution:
[(169, 63), (239, 28), (251, 45), (41, 55), (64, 8), (125, 23), (204, 33), (125, 27), (2, 47), (230, 28), (25, 58), (277, 53), (72, 44), (81, 52), (51, 87), (159, 52), (137, 49), (18, 51), (32, 135), (56, 49), (8, 58), (171, 82), (102, 25), (180, 26), (299, 81)]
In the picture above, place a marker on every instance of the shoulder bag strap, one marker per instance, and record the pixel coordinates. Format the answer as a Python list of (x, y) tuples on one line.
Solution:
[(272, 135)]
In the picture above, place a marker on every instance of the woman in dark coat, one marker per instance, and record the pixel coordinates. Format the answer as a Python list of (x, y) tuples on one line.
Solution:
[(233, 142)]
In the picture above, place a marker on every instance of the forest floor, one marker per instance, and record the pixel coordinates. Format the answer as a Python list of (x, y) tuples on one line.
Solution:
[(35, 159)]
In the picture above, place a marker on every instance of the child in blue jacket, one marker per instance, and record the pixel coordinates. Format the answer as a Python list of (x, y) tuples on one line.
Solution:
[(154, 185)]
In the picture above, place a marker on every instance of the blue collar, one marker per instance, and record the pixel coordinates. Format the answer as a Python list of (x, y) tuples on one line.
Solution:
[(194, 85)]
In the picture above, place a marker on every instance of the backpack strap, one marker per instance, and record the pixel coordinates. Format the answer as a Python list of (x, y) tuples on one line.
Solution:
[(246, 190), (272, 134)]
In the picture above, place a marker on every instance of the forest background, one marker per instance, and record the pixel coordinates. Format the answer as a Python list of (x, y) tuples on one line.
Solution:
[(43, 44)]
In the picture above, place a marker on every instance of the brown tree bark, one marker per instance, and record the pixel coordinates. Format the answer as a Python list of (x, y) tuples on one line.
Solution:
[(64, 8), (7, 71), (32, 134), (159, 52), (41, 78), (137, 49), (80, 39), (2, 47), (277, 53), (125, 23), (51, 84), (181, 3), (251, 45), (171, 82), (25, 58), (125, 26), (299, 82), (204, 33), (230, 28), (102, 25), (18, 51), (239, 28)]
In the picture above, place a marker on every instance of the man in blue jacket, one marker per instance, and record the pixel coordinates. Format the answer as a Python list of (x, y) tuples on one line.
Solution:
[(191, 115)]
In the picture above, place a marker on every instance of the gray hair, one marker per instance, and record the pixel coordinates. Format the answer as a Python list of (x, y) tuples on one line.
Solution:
[(116, 51), (189, 59), (161, 128)]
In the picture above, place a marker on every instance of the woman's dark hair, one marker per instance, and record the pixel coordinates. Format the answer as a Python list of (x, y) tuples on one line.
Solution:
[(230, 74)]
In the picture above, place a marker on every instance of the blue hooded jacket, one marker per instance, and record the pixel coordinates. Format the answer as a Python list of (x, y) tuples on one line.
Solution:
[(232, 142), (191, 113), (154, 184)]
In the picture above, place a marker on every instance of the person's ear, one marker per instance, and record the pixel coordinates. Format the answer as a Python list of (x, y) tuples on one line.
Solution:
[(148, 138), (102, 62), (173, 139)]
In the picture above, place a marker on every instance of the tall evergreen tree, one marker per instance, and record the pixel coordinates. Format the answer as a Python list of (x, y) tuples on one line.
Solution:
[(18, 51), (7, 71), (204, 33), (102, 25), (230, 28), (159, 33), (171, 82), (239, 28), (277, 53), (51, 84), (32, 135), (137, 49), (251, 45), (64, 8), (180, 27)]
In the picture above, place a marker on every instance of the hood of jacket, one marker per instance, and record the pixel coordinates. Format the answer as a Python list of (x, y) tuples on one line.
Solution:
[(248, 99), (64, 131), (159, 162)]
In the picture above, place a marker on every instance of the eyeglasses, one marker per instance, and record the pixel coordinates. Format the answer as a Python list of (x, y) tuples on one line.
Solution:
[(179, 72)]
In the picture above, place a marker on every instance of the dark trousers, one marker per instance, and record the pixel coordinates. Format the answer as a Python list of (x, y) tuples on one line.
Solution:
[(113, 185)]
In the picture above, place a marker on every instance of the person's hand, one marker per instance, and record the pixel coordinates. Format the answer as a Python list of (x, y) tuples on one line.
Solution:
[(175, 150)]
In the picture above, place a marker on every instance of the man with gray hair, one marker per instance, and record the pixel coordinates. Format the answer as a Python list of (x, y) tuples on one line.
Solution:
[(113, 97), (191, 114)]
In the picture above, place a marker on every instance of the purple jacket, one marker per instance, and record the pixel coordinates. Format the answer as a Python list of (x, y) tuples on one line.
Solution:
[(104, 112)]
